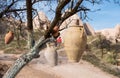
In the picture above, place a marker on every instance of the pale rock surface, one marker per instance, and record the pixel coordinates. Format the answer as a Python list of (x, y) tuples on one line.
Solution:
[(111, 33), (40, 20), (89, 29)]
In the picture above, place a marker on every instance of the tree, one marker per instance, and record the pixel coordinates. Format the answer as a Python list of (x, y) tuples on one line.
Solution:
[(103, 43), (8, 7), (71, 7), (29, 23)]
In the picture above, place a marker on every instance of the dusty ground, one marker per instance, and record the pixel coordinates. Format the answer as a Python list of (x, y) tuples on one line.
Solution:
[(39, 68), (76, 70)]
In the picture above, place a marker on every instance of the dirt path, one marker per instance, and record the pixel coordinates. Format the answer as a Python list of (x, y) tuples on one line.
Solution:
[(38, 68), (28, 72), (76, 70)]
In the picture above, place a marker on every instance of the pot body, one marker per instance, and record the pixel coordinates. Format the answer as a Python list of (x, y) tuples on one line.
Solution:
[(51, 54), (9, 37), (75, 40)]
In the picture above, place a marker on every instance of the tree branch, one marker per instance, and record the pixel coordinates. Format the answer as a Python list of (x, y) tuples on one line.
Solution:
[(72, 12), (78, 4), (7, 8), (35, 1), (57, 18), (13, 10), (25, 59)]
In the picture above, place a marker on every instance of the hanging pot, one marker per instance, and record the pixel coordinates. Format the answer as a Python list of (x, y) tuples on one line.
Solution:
[(51, 54), (75, 42), (55, 32), (9, 37), (56, 28)]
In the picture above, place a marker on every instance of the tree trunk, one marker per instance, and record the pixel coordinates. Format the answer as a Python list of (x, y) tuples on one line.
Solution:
[(29, 23), (30, 41)]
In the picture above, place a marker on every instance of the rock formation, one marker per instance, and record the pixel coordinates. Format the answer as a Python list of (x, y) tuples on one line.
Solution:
[(41, 21), (89, 30), (111, 34)]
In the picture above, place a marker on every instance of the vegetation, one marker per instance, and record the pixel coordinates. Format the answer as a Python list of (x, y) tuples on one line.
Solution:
[(14, 47), (107, 62), (104, 49), (63, 10), (102, 55)]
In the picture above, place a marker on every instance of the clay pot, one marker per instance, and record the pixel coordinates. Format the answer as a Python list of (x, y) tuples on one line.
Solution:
[(51, 54), (75, 42), (55, 32), (9, 37), (56, 28)]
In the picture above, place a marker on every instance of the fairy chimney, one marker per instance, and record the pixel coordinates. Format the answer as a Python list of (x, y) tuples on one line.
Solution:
[(41, 21), (89, 30), (111, 34)]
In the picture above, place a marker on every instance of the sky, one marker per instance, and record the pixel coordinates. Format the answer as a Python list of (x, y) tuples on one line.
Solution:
[(107, 17)]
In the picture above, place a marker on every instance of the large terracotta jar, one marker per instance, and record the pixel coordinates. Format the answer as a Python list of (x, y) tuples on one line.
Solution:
[(75, 42), (9, 37), (51, 54)]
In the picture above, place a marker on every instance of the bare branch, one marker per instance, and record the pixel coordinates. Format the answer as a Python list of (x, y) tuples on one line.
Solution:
[(73, 11), (72, 3), (96, 1), (77, 5), (25, 59), (13, 10), (7, 8), (35, 1), (57, 16)]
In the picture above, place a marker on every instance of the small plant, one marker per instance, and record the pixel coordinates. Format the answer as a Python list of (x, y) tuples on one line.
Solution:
[(111, 59), (10, 51)]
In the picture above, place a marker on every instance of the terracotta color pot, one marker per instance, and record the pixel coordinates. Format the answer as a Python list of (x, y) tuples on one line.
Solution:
[(9, 37), (55, 32), (56, 28), (51, 54), (75, 42)]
